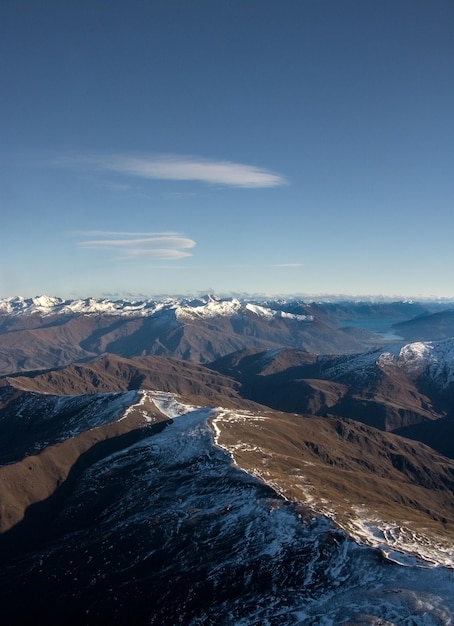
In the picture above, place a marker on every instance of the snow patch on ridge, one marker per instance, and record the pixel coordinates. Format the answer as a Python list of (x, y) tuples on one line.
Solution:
[(399, 543), (270, 313), (169, 405)]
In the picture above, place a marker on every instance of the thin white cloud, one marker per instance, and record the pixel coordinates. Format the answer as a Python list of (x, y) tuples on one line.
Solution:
[(289, 265), (117, 233), (167, 254), (165, 246), (177, 167)]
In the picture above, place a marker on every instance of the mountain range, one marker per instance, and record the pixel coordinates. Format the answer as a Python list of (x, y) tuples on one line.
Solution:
[(325, 406)]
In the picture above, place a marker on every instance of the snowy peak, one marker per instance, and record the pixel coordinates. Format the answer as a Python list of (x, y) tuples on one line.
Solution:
[(270, 313), (27, 306), (46, 305), (204, 308), (435, 359), (232, 308), (212, 308)]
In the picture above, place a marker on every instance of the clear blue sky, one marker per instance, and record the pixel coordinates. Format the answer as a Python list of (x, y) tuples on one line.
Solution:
[(244, 146)]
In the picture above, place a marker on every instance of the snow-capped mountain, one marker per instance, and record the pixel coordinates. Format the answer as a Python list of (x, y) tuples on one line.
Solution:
[(233, 308), (432, 359), (204, 308), (46, 306)]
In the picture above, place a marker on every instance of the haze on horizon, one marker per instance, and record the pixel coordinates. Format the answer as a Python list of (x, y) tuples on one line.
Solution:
[(262, 148)]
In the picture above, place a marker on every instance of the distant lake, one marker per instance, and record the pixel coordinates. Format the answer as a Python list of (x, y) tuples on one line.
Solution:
[(382, 327)]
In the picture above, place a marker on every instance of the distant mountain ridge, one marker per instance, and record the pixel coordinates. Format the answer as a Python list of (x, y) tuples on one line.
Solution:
[(338, 313), (208, 306), (44, 333), (434, 325)]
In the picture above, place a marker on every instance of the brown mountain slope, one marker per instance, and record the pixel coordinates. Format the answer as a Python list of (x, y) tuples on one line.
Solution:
[(33, 343), (387, 401), (298, 395), (439, 435), (343, 467), (202, 340), (249, 363), (279, 379), (36, 477), (299, 382), (112, 373), (52, 342)]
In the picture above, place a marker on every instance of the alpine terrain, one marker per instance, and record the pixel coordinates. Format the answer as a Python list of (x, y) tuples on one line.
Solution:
[(226, 461)]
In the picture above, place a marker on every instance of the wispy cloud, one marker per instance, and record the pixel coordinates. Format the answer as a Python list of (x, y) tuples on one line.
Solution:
[(288, 265), (132, 245), (124, 233), (177, 167)]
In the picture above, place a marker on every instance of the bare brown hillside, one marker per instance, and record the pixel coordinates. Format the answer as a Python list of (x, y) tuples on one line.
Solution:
[(30, 343), (341, 467), (37, 477), (298, 382), (113, 373)]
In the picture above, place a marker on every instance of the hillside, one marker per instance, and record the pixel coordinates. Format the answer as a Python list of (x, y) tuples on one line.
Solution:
[(432, 326), (110, 373)]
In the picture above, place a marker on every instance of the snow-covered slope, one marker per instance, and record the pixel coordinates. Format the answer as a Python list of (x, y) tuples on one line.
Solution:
[(434, 359), (168, 531)]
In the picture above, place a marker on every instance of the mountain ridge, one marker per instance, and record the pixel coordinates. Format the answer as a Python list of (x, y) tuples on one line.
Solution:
[(122, 437), (387, 388), (200, 332)]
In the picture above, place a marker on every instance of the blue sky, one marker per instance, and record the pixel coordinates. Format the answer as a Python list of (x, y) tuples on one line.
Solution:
[(241, 146)]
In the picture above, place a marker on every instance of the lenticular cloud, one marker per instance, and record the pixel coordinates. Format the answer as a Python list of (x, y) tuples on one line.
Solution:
[(177, 167), (137, 245), (217, 172)]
